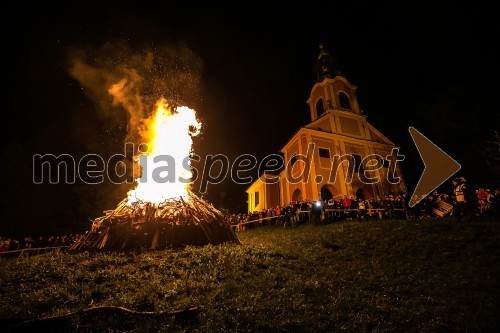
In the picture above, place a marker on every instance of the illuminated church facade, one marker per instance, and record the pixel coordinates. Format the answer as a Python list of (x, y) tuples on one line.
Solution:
[(338, 127)]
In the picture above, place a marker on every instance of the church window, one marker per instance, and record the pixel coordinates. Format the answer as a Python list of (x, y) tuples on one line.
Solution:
[(344, 101), (324, 152), (320, 108)]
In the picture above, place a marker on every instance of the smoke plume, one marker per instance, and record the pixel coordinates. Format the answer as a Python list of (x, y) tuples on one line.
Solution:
[(118, 77)]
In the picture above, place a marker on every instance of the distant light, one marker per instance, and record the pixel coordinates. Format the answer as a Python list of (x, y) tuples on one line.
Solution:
[(318, 203)]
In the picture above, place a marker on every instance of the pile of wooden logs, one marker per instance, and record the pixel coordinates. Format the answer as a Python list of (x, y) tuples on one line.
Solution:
[(175, 222)]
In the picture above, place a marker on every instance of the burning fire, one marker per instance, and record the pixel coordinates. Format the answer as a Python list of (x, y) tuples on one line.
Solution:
[(169, 134)]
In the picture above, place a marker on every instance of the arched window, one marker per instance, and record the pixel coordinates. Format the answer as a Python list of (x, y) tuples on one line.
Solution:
[(297, 195), (360, 194), (344, 101), (320, 108), (328, 192)]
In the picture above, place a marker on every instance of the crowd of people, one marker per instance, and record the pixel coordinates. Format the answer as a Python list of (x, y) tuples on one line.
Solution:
[(465, 200), (13, 244), (320, 212)]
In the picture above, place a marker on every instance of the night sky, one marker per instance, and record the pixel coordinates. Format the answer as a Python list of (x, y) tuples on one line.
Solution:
[(432, 68)]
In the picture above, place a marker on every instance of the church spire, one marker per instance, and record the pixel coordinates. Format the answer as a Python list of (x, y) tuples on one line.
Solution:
[(326, 65)]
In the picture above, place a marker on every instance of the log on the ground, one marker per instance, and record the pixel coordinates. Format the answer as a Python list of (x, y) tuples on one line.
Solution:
[(67, 321)]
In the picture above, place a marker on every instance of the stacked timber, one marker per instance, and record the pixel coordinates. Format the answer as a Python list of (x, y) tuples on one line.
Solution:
[(173, 223)]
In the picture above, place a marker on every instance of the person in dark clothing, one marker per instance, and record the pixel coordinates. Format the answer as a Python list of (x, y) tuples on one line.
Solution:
[(304, 216), (316, 212), (14, 245), (330, 205)]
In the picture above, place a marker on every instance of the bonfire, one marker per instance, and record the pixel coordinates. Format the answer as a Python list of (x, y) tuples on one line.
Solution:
[(164, 214)]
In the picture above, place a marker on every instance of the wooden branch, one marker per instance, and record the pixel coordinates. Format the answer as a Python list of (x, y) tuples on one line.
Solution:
[(57, 323)]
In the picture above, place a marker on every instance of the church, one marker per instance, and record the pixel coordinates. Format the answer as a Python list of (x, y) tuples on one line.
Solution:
[(338, 127)]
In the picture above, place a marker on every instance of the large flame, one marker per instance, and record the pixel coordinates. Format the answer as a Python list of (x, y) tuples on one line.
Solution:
[(169, 134)]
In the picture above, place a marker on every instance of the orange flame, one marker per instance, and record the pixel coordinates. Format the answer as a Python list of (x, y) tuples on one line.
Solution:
[(169, 133)]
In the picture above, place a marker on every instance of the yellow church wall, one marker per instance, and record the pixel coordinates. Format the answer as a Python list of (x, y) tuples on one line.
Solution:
[(268, 189), (303, 148), (295, 146), (292, 149), (256, 187), (354, 148), (272, 192), (349, 126), (283, 189), (324, 125)]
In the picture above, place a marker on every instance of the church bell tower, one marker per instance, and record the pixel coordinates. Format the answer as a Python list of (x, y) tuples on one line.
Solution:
[(331, 91)]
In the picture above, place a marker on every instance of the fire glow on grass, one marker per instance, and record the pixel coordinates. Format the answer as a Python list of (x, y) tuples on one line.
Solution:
[(169, 133)]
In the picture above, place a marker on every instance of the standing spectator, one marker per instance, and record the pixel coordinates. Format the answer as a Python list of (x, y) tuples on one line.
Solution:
[(459, 192), (362, 210), (277, 213), (304, 209), (330, 205), (469, 195), (287, 211), (346, 204), (14, 245), (489, 200), (481, 201), (316, 209)]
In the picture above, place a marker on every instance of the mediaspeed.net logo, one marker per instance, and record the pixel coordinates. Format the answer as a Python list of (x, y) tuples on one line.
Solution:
[(215, 168)]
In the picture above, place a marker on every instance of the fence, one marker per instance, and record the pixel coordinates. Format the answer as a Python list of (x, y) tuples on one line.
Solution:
[(239, 226), (33, 251)]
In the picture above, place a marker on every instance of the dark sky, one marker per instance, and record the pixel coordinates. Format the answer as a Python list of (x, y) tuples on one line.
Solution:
[(433, 68)]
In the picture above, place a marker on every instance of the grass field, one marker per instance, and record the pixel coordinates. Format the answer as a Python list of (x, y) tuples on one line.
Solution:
[(438, 275)]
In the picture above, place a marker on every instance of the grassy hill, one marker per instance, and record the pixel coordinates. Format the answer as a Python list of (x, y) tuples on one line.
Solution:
[(378, 276)]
